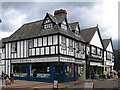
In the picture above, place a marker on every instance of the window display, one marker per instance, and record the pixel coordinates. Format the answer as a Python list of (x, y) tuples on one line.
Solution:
[(20, 70), (69, 70), (40, 70)]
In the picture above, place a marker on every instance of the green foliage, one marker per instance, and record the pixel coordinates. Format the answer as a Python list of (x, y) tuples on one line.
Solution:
[(117, 59)]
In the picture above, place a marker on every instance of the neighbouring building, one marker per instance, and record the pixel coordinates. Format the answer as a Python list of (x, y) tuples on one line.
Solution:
[(46, 50), (108, 55), (2, 64), (94, 58)]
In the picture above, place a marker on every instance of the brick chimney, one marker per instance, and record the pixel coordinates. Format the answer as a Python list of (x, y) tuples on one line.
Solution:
[(60, 12)]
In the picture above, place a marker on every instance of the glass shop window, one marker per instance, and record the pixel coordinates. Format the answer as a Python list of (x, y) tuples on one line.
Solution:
[(69, 70), (20, 70), (40, 70)]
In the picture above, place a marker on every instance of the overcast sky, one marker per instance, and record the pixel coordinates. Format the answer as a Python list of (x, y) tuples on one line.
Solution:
[(88, 14)]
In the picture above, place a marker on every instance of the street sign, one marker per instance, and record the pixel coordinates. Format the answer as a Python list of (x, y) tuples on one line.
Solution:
[(89, 85)]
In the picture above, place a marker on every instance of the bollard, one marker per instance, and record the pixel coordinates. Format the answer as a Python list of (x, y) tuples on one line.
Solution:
[(55, 84)]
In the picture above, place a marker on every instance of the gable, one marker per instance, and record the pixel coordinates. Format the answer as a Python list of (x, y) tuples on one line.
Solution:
[(96, 40), (47, 20), (109, 48)]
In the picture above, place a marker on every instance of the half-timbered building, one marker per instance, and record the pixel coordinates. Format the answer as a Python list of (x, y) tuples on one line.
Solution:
[(46, 50), (2, 64), (94, 57), (108, 55)]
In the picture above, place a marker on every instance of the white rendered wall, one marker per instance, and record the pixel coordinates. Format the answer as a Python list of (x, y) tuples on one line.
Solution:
[(109, 48), (96, 40)]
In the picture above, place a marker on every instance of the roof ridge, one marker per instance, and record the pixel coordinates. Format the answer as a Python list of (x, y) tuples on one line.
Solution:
[(32, 22), (89, 28)]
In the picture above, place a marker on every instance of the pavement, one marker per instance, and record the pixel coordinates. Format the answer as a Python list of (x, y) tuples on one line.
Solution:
[(100, 83)]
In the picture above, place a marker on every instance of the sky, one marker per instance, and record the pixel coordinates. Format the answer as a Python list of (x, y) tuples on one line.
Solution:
[(87, 13)]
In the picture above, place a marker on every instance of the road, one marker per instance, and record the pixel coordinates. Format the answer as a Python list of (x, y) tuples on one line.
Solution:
[(107, 83)]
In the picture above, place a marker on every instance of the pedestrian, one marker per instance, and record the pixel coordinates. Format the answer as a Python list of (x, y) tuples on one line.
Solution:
[(104, 74), (12, 77), (108, 75), (92, 76), (3, 78), (118, 74)]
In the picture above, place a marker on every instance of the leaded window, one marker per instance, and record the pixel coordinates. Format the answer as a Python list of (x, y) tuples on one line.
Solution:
[(70, 45), (64, 25), (48, 24), (30, 43), (63, 42), (14, 46)]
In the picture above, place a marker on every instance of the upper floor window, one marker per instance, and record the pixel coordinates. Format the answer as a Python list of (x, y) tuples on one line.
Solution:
[(14, 46), (98, 51), (71, 45), (48, 24), (64, 25), (81, 48), (77, 47), (30, 43), (109, 55), (63, 42), (94, 51)]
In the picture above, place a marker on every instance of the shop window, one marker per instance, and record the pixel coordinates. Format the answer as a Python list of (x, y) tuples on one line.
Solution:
[(20, 70), (69, 70), (40, 70), (14, 46)]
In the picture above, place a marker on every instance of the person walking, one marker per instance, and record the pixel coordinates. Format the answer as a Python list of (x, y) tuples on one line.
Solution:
[(118, 74), (3, 78), (104, 74), (12, 77), (92, 76)]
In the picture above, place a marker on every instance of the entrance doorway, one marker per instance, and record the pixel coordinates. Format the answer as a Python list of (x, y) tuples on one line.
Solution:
[(58, 72)]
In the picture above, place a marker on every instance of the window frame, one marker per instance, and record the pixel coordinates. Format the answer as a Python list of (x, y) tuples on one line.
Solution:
[(14, 47)]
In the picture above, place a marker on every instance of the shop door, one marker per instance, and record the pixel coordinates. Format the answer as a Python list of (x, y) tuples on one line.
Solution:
[(58, 72)]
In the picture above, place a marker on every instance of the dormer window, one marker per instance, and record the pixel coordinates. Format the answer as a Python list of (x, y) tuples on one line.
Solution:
[(64, 25), (48, 24)]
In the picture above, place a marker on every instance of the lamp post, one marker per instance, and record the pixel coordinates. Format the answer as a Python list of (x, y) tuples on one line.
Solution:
[(0, 20)]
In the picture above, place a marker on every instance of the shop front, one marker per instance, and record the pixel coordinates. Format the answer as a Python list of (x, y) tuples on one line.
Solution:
[(38, 69), (96, 68), (80, 70)]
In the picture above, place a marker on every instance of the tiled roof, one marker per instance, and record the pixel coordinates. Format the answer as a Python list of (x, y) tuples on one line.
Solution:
[(88, 33), (34, 29), (106, 42)]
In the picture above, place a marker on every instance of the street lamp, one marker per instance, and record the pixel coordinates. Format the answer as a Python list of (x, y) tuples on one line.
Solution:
[(0, 20)]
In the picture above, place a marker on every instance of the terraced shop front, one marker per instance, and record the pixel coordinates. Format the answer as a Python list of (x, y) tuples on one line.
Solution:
[(44, 69)]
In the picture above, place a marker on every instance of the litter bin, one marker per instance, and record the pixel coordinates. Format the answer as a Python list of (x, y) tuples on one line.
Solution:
[(55, 84)]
